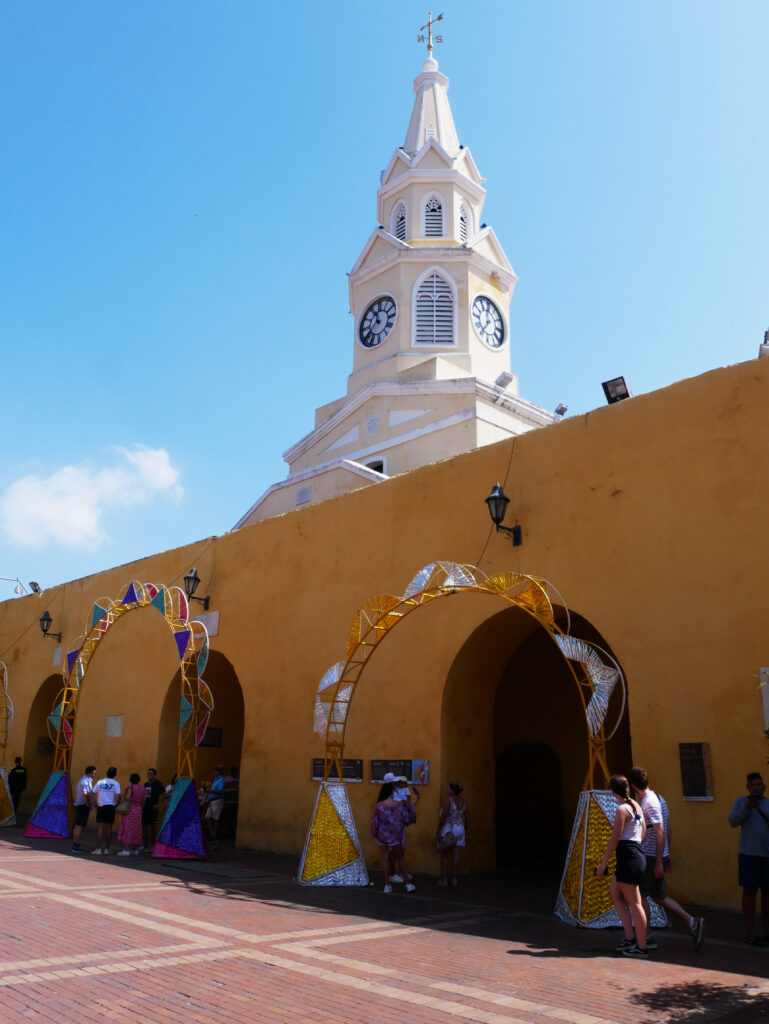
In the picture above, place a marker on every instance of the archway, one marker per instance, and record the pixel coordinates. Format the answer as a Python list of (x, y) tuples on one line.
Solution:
[(329, 855), (38, 745), (222, 742)]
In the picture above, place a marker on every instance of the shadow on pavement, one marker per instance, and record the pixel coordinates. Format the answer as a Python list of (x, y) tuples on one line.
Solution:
[(512, 908)]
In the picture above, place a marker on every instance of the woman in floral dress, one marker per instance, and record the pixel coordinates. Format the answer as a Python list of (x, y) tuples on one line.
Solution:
[(387, 827), (130, 831)]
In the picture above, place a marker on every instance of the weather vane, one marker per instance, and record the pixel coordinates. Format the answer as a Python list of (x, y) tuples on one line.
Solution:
[(429, 26)]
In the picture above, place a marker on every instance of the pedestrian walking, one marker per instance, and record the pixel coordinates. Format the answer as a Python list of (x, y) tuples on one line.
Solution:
[(656, 849), (627, 835)]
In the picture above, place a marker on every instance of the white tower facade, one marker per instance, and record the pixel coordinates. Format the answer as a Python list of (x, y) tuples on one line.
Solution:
[(430, 299)]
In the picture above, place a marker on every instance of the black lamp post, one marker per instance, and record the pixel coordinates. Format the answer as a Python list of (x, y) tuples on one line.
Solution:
[(498, 502), (45, 625), (191, 583)]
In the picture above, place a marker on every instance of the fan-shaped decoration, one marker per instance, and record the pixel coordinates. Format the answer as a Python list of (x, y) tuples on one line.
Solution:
[(602, 677)]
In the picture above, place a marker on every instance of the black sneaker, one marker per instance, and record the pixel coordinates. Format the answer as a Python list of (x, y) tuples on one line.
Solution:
[(697, 931), (625, 944), (76, 848), (636, 952), (651, 942)]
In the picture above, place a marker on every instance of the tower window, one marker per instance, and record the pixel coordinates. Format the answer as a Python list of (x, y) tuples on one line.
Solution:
[(399, 222), (433, 218), (435, 312), (377, 465), (464, 219)]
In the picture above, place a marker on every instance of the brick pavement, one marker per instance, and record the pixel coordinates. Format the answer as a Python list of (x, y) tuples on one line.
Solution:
[(236, 940)]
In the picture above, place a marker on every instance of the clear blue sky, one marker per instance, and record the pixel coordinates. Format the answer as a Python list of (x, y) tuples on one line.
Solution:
[(185, 185)]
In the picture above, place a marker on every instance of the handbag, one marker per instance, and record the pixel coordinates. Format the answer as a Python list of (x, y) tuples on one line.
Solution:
[(447, 841), (124, 806)]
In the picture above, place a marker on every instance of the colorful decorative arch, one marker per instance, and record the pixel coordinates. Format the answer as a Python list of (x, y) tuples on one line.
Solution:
[(332, 853), (191, 639), (6, 706)]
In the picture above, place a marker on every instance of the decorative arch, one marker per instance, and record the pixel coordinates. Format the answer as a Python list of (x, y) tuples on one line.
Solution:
[(434, 309), (332, 835), (191, 640), (180, 834)]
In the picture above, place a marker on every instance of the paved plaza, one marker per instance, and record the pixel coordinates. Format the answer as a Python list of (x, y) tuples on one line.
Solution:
[(235, 939)]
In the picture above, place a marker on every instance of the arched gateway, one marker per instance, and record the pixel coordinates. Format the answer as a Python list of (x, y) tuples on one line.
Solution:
[(180, 834), (332, 853)]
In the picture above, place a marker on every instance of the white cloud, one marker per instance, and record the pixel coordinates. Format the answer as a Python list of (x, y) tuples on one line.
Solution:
[(67, 507)]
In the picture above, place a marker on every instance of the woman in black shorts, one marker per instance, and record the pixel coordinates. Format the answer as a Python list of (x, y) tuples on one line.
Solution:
[(626, 838)]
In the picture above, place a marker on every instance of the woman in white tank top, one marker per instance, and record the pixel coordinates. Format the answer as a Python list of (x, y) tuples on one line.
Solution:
[(627, 835)]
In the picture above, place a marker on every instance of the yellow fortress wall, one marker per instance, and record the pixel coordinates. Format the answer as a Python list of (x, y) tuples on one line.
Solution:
[(648, 516)]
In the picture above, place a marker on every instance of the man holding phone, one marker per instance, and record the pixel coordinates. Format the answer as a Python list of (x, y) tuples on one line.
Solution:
[(751, 815)]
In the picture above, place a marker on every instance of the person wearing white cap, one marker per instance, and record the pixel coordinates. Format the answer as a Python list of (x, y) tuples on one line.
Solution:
[(402, 795), (388, 826)]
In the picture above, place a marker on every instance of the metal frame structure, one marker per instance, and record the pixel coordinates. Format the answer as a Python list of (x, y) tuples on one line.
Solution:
[(191, 639), (594, 677), (6, 706)]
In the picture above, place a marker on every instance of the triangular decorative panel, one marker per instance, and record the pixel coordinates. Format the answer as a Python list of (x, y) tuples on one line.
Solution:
[(54, 813), (181, 834), (7, 813), (584, 899), (332, 853)]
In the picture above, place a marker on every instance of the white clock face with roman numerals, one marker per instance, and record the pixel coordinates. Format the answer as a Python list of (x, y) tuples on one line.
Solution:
[(377, 322), (488, 321)]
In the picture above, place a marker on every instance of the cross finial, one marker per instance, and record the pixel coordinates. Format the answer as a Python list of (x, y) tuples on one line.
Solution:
[(429, 26)]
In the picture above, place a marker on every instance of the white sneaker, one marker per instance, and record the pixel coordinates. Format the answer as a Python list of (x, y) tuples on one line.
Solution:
[(108, 853), (396, 878), (124, 853), (388, 888), (410, 887), (97, 852)]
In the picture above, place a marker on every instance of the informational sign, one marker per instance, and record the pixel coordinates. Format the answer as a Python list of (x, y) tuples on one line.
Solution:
[(696, 773), (415, 769), (352, 770), (212, 737)]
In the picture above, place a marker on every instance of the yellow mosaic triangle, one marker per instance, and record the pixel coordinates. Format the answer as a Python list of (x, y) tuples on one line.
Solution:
[(329, 846), (573, 875), (6, 807), (596, 898)]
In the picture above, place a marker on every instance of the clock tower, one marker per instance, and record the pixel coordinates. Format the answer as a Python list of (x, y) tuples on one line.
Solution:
[(430, 300)]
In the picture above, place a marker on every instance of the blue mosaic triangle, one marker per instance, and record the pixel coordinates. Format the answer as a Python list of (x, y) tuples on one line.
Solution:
[(182, 638), (98, 612), (159, 600), (71, 659), (130, 596), (186, 711)]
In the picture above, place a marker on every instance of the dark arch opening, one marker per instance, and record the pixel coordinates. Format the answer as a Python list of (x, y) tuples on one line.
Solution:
[(38, 746), (514, 732), (223, 741)]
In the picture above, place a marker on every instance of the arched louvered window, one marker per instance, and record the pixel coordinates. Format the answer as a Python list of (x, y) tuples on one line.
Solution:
[(434, 312), (464, 223), (433, 218), (399, 222)]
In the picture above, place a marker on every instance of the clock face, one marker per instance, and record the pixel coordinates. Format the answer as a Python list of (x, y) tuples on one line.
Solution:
[(377, 322), (488, 321)]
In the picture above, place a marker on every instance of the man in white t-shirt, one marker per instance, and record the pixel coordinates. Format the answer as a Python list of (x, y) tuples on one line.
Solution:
[(106, 793), (83, 802), (656, 848)]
